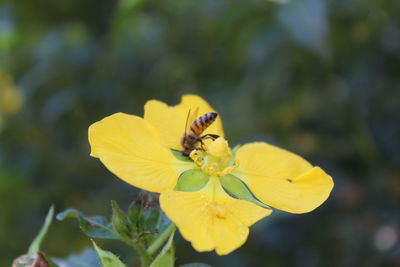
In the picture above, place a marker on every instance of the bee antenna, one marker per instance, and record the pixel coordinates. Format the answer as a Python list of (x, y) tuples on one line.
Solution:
[(187, 120)]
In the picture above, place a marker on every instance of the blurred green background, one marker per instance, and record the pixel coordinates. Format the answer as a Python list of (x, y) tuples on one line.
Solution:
[(320, 78)]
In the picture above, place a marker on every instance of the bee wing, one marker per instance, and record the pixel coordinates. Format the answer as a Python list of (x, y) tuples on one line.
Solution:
[(191, 117)]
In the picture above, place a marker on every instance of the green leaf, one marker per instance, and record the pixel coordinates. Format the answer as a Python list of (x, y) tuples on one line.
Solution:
[(238, 189), (161, 238), (178, 155), (107, 258), (149, 219), (35, 245), (163, 223), (95, 226), (146, 218), (120, 222), (134, 210), (192, 180), (149, 223), (166, 258), (87, 258)]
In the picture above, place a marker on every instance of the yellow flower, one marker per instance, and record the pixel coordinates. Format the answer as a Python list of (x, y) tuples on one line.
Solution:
[(193, 192)]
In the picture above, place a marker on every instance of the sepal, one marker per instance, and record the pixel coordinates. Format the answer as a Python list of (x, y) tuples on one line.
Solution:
[(120, 222), (192, 180), (235, 187)]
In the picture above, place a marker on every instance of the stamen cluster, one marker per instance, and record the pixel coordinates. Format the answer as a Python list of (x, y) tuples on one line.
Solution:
[(215, 158)]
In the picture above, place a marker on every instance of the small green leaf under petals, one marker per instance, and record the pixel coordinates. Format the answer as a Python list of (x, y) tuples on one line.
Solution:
[(35, 245), (237, 188), (192, 180), (107, 258)]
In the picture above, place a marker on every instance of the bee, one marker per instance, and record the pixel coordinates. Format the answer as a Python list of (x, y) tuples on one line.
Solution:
[(192, 136)]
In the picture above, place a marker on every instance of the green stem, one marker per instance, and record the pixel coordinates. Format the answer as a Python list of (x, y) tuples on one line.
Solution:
[(161, 239), (143, 254)]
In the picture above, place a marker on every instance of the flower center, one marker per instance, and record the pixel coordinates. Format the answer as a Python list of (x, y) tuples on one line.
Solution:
[(215, 158)]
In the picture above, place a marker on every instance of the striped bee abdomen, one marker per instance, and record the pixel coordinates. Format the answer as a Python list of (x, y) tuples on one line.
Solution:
[(201, 124)]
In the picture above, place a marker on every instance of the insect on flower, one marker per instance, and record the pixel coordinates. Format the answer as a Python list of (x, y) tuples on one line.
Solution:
[(213, 194), (193, 131)]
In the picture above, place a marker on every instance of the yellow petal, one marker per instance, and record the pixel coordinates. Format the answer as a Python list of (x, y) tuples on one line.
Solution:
[(282, 179), (170, 120), (131, 148), (211, 219)]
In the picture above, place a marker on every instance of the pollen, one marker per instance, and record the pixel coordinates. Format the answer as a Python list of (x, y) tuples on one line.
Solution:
[(215, 158)]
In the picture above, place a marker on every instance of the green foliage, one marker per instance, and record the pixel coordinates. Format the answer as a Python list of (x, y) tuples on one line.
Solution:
[(143, 226), (134, 211), (120, 222), (178, 154), (35, 245), (144, 219), (156, 245), (107, 258), (147, 217), (87, 258), (166, 257), (35, 257), (92, 226)]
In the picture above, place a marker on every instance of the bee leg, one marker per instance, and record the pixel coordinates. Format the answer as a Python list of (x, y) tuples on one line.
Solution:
[(201, 145), (209, 136), (204, 137)]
